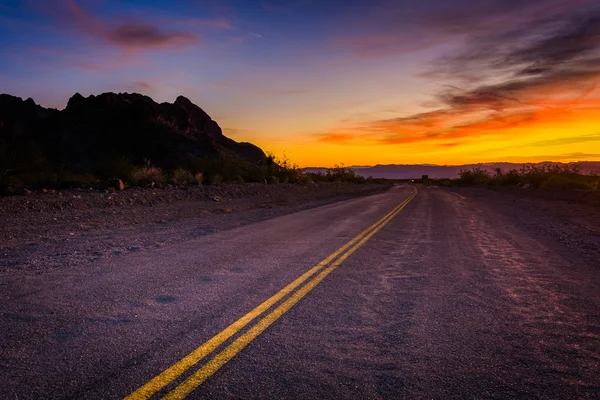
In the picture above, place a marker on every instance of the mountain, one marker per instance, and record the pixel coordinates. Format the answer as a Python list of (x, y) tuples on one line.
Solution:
[(407, 171), (99, 131)]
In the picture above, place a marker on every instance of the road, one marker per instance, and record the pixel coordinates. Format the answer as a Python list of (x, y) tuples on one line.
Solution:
[(396, 295)]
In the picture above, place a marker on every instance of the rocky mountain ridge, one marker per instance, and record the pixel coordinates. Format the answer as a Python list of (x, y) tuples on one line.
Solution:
[(94, 132)]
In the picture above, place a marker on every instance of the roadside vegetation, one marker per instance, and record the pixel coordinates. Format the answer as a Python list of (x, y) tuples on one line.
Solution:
[(209, 170), (548, 176)]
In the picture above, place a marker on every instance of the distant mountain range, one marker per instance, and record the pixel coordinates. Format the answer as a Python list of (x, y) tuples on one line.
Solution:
[(409, 171)]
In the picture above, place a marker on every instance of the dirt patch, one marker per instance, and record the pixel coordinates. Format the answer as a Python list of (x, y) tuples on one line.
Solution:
[(74, 227)]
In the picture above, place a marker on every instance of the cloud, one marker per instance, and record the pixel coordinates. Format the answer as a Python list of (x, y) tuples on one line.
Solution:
[(565, 157), (392, 28), (543, 70), (564, 141), (148, 36), (140, 87), (130, 36)]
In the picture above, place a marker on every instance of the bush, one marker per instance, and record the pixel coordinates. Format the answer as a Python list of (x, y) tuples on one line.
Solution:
[(273, 179), (182, 176), (474, 176), (512, 177), (340, 173), (216, 179), (238, 179), (145, 176), (564, 182), (545, 176), (304, 179)]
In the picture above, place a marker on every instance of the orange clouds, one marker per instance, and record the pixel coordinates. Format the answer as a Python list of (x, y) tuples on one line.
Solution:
[(472, 116)]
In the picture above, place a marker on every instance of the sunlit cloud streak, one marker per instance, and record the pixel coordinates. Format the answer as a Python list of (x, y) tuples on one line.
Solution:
[(548, 72)]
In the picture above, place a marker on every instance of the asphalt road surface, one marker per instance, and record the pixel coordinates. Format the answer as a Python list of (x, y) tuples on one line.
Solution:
[(394, 295)]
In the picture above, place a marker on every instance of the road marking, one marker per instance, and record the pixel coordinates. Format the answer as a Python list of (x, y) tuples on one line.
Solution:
[(171, 373)]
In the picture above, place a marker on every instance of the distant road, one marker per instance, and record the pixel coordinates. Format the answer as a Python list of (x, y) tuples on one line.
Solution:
[(406, 294)]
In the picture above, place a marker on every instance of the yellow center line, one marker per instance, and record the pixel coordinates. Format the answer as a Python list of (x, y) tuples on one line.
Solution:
[(167, 376), (212, 366)]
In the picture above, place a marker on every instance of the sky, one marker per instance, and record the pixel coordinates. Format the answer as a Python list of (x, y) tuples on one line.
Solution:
[(329, 82)]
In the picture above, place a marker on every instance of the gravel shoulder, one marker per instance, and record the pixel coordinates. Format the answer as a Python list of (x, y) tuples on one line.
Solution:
[(42, 231), (568, 221)]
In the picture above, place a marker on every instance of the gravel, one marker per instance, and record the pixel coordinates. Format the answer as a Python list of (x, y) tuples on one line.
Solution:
[(48, 229)]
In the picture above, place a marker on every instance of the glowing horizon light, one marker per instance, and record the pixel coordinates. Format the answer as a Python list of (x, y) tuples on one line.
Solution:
[(363, 83)]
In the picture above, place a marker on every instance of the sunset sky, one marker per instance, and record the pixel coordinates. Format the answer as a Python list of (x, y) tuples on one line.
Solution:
[(325, 82)]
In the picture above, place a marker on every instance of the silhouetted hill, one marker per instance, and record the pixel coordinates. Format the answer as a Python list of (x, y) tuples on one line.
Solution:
[(407, 171), (92, 134)]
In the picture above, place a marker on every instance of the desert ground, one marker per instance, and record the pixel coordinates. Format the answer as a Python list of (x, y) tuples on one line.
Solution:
[(292, 291)]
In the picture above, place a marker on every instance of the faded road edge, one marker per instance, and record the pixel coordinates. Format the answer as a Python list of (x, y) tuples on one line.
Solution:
[(170, 374)]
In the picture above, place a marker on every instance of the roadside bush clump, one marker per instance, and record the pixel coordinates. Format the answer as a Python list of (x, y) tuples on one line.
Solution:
[(238, 179), (511, 178), (474, 176), (564, 182), (182, 176), (544, 176), (198, 178), (340, 173), (305, 179), (216, 179), (273, 179), (145, 176)]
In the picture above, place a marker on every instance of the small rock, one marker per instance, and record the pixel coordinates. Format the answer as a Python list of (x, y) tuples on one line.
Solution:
[(526, 186), (44, 190), (117, 184)]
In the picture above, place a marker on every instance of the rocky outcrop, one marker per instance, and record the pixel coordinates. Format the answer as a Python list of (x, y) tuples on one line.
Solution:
[(112, 126)]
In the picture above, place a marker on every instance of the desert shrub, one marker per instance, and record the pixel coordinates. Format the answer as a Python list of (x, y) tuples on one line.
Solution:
[(143, 176), (198, 178), (216, 179), (283, 169), (238, 179), (182, 176), (565, 182), (340, 173), (317, 177), (536, 175), (474, 176), (304, 179), (512, 177), (273, 179), (544, 176)]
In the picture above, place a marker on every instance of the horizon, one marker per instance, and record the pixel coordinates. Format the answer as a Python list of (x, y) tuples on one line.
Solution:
[(463, 165), (321, 84)]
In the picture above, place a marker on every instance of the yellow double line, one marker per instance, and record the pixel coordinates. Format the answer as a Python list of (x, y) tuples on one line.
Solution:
[(197, 378)]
